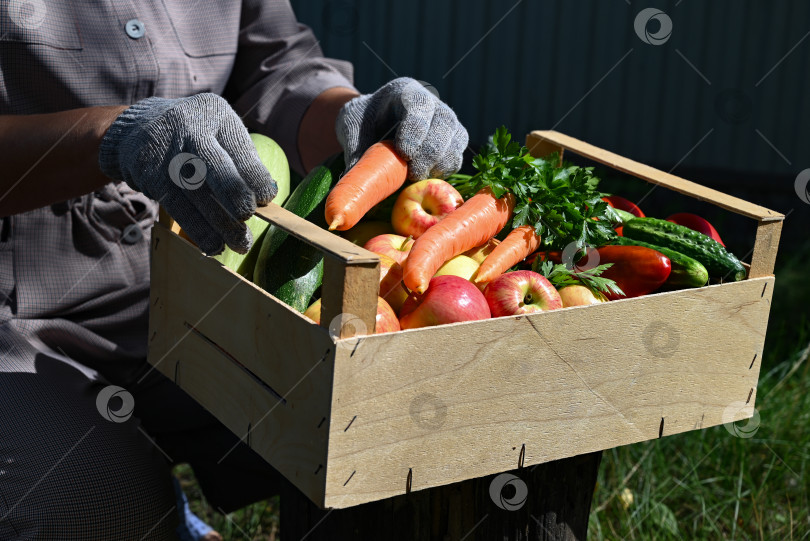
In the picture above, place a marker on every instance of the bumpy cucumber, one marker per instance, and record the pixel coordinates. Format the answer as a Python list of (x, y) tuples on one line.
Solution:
[(686, 271), (718, 261)]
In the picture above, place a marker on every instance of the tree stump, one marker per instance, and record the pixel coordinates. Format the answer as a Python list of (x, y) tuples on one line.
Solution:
[(554, 506)]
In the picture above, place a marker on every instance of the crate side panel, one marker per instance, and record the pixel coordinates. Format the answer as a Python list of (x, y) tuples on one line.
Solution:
[(204, 321), (268, 337), (284, 433), (457, 402)]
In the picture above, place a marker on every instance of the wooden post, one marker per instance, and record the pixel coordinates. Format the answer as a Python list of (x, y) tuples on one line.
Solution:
[(556, 508)]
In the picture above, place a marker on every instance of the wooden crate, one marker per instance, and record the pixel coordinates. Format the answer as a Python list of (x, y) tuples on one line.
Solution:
[(354, 419)]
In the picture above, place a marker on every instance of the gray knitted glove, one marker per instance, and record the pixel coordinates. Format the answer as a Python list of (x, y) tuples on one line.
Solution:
[(195, 157), (425, 130)]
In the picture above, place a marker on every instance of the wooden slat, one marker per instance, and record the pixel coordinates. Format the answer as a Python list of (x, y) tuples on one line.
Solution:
[(328, 243), (456, 402), (541, 140), (763, 258), (236, 344), (350, 292)]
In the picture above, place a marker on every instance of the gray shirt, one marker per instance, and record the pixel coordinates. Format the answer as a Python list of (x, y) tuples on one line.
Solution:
[(75, 275), (63, 55)]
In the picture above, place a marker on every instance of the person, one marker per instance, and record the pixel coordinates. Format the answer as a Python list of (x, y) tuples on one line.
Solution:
[(97, 101)]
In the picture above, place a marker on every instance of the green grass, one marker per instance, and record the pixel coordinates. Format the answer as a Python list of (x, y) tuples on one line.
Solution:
[(698, 485)]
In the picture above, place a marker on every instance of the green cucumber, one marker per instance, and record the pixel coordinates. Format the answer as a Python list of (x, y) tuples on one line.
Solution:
[(286, 267), (718, 261), (686, 271)]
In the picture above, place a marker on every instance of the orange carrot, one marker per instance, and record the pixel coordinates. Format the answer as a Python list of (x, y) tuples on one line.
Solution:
[(378, 173), (470, 225), (518, 244)]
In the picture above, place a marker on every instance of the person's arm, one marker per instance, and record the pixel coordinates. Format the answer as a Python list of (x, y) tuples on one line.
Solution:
[(317, 139), (52, 157), (282, 86)]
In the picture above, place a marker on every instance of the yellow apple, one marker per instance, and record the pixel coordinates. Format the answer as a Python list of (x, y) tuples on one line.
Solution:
[(461, 265), (579, 296), (479, 253)]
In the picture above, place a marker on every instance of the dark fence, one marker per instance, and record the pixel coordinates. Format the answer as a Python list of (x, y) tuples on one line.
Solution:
[(720, 99)]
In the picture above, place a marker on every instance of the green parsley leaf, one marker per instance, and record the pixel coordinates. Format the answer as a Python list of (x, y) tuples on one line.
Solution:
[(563, 204)]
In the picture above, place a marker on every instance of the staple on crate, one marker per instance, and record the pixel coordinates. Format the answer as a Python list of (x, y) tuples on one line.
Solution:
[(522, 456), (409, 481), (350, 478), (350, 423), (661, 428)]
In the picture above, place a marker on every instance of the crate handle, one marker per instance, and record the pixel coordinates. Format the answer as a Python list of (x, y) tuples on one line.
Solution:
[(351, 274), (769, 223)]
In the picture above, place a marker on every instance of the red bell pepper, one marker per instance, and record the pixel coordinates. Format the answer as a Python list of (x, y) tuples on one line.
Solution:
[(699, 224), (619, 202), (636, 270)]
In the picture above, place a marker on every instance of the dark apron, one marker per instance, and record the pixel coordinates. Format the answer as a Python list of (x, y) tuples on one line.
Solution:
[(74, 300), (74, 286)]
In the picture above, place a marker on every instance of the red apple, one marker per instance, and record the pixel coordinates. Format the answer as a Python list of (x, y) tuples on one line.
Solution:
[(521, 292), (364, 231), (479, 253), (699, 224), (577, 295), (394, 246), (391, 287), (386, 320), (422, 204), (449, 299)]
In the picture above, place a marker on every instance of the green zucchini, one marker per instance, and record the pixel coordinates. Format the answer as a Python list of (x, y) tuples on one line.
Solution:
[(296, 273), (718, 261), (247, 265), (686, 271), (274, 160), (286, 267)]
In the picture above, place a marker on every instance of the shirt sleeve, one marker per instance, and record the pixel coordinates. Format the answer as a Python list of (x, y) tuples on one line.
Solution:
[(278, 71)]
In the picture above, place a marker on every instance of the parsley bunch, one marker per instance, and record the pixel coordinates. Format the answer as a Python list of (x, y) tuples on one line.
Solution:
[(559, 202), (561, 275)]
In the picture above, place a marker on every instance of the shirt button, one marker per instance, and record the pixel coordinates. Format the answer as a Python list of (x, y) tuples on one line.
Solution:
[(131, 234), (135, 29)]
